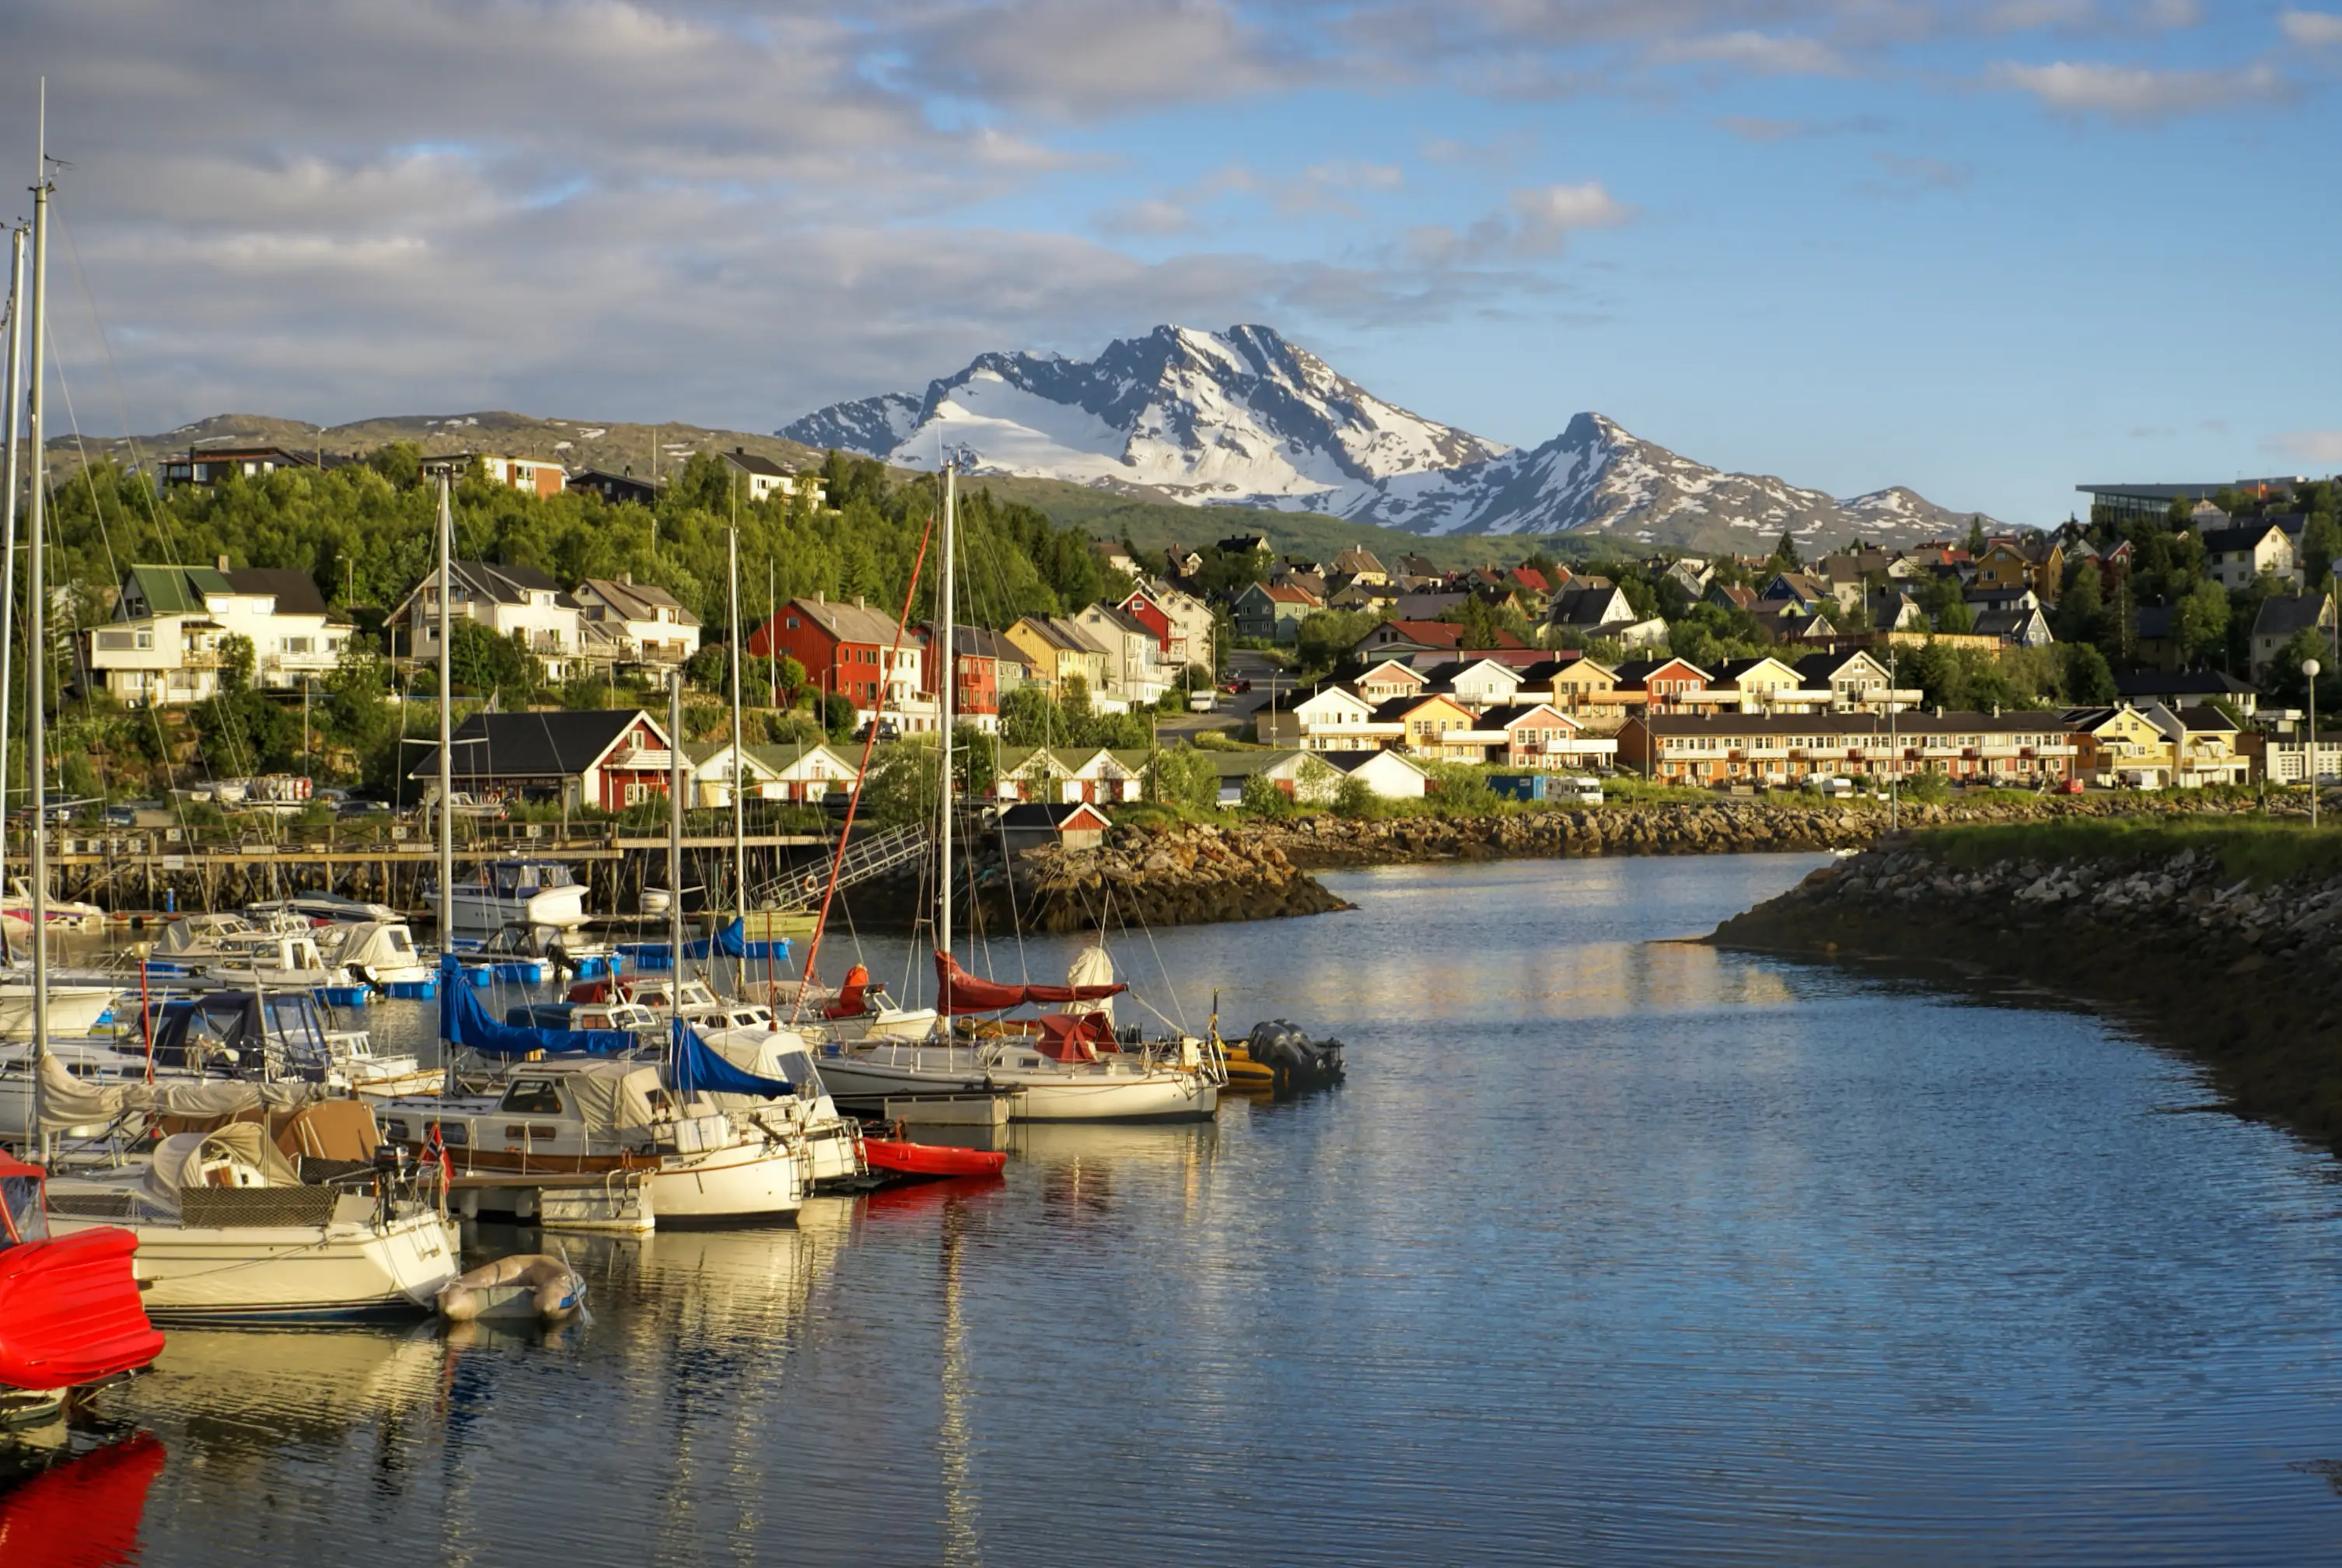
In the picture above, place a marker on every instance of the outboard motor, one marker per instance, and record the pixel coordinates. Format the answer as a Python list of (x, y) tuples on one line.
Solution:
[(1299, 1062)]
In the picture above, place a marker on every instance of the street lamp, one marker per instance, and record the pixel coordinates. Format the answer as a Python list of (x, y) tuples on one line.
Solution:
[(2309, 668)]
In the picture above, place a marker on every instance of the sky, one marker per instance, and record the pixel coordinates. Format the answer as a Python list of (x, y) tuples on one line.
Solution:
[(1985, 248)]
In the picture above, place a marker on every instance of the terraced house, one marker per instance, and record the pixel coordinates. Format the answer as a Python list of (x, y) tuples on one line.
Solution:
[(2028, 748)]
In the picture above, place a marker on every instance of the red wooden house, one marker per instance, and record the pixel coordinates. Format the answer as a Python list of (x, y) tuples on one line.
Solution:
[(846, 651)]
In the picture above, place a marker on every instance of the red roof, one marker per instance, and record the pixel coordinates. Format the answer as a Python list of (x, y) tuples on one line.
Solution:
[(1431, 634), (1530, 578), (1286, 594)]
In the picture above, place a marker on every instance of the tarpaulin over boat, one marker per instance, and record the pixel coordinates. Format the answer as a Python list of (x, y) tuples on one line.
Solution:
[(957, 991), (67, 1102), (464, 1022), (694, 1067), (1074, 1036), (732, 942)]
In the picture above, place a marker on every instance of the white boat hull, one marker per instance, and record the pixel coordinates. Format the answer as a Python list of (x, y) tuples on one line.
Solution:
[(477, 909), (72, 1009), (730, 1186), (256, 1272), (1102, 1092)]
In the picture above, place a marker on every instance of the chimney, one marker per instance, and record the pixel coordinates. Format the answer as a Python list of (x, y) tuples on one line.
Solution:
[(220, 562), (627, 576), (861, 601)]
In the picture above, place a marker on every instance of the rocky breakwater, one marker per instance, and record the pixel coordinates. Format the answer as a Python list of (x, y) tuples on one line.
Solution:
[(1180, 875), (1724, 828), (2242, 973)]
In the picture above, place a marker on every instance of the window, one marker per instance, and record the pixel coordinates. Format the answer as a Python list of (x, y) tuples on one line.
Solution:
[(532, 1097)]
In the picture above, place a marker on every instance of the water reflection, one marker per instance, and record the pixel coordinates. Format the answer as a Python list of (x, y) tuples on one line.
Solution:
[(67, 1502)]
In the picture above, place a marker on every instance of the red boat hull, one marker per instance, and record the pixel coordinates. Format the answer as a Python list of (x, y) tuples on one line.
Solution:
[(907, 1159), (70, 1312)]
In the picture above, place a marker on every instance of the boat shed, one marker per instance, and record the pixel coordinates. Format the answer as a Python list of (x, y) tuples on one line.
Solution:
[(608, 757), (1036, 825)]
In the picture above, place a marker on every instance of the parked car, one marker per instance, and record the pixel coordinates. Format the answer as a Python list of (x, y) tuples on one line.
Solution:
[(353, 806), (1829, 785), (1201, 701), (886, 731), (2066, 786), (1236, 688)]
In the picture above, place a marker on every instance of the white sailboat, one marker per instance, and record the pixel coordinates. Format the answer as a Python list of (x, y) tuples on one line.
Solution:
[(1067, 1066)]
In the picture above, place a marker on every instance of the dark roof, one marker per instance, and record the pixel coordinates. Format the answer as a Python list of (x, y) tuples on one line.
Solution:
[(1445, 673), (531, 745), (1733, 669), (2238, 539), (1512, 713), (1351, 761), (2005, 623), (2281, 615), (296, 592), (2183, 684), (1823, 666), (2205, 717), (747, 462), (2155, 620), (1398, 708)]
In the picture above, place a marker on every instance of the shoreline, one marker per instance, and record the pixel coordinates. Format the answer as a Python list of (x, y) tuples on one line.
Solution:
[(2231, 972)]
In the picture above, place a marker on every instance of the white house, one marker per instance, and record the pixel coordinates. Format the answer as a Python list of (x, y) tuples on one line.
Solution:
[(2237, 555), (1386, 773), (507, 600), (1334, 718), (1476, 683), (1134, 665), (171, 633), (638, 624), (765, 478)]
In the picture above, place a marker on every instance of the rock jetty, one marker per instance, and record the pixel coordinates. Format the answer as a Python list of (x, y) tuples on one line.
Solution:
[(2242, 975), (1183, 874)]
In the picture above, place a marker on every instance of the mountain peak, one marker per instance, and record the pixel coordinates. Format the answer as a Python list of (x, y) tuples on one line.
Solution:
[(1245, 416)]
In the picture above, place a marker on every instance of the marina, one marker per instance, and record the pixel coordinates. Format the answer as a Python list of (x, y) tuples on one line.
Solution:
[(1806, 1265)]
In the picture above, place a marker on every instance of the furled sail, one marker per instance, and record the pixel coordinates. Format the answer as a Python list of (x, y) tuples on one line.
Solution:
[(694, 1067), (957, 991), (732, 942)]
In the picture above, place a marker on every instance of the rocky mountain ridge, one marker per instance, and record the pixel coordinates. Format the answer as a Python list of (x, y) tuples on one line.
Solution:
[(1244, 417)]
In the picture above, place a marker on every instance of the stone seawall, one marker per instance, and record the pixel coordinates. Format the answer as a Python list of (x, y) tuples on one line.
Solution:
[(2245, 978)]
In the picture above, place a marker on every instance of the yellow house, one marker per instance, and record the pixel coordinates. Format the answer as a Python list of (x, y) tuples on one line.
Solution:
[(2203, 742), (1059, 649), (1767, 685), (2121, 745), (2037, 562)]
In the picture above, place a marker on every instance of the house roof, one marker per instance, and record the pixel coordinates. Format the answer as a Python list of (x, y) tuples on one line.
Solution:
[(780, 756), (638, 600), (762, 467), (1917, 723), (1349, 761), (1121, 620), (1286, 594), (1634, 672), (1731, 670), (2205, 716), (1821, 667), (2281, 615), (2148, 683), (295, 591), (1511, 714), (1585, 606), (2155, 620), (1060, 815), (1062, 635), (2010, 622), (1427, 634), (1739, 598), (983, 643), (533, 746), (1356, 559), (177, 590), (1531, 578), (848, 622), (1446, 672), (1398, 708), (1244, 764)]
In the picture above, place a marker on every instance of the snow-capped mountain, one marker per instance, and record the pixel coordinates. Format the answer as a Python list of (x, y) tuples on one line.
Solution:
[(1244, 417)]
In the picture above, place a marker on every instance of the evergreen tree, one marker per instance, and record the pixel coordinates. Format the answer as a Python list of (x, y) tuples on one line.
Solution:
[(1975, 535)]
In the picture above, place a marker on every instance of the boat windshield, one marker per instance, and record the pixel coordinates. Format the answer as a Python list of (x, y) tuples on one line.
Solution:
[(20, 1205), (513, 875)]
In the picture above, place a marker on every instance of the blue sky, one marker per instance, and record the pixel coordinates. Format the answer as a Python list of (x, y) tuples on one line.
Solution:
[(1988, 249)]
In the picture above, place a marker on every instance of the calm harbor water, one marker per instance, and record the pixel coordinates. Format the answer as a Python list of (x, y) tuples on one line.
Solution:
[(1613, 1249)]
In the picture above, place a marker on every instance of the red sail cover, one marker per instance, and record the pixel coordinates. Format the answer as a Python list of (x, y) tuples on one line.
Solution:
[(957, 991)]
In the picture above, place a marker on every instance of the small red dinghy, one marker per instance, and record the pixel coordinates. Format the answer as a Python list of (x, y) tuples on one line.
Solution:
[(901, 1158)]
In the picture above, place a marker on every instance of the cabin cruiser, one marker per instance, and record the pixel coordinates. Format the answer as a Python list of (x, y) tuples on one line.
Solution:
[(572, 1116), (194, 940), (277, 1035), (380, 953), (665, 998), (323, 909), (272, 958), (532, 892), (565, 948), (293, 1217)]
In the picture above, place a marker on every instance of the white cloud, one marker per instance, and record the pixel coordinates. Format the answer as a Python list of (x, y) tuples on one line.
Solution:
[(1765, 53), (1902, 176), (1083, 59), (1549, 214), (1152, 217), (2311, 29), (2137, 92), (2307, 445)]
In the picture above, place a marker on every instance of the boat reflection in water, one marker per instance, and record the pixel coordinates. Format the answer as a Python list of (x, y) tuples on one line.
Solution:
[(78, 1507)]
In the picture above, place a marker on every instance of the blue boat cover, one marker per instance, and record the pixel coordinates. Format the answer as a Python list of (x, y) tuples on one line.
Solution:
[(732, 942), (464, 1022), (693, 1066)]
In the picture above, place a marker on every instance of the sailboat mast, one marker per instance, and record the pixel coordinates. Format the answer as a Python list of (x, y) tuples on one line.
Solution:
[(946, 683), (675, 825), (739, 755), (446, 728), (14, 394), (37, 618)]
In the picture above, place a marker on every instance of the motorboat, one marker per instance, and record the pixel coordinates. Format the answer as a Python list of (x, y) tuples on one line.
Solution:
[(324, 909), (531, 891), (70, 1314), (95, 1064), (692, 999), (274, 959), (65, 914), (238, 1223), (750, 1039), (377, 952), (615, 1122), (278, 1036), (192, 941), (566, 949)]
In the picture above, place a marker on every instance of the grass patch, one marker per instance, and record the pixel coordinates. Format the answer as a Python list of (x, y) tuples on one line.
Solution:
[(2261, 850)]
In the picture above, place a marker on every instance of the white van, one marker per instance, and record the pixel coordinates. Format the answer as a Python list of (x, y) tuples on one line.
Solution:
[(1837, 788), (1576, 789)]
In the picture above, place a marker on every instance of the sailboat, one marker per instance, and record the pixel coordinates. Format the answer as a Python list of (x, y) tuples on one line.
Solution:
[(1067, 1066)]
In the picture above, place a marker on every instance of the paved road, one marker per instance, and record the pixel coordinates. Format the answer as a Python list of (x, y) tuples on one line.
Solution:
[(1265, 675)]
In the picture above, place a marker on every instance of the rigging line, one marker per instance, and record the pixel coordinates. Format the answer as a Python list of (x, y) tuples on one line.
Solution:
[(147, 497)]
